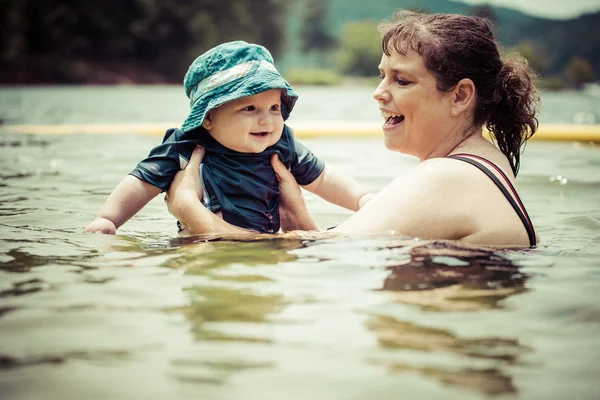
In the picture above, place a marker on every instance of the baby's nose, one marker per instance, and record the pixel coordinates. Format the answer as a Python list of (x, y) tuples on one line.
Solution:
[(265, 120)]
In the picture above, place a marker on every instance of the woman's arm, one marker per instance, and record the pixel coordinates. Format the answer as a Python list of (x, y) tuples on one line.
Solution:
[(415, 204), (438, 199), (339, 188), (183, 200), (126, 199), (428, 201)]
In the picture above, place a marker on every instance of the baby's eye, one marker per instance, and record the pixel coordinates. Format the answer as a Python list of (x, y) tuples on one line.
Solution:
[(275, 107), (249, 108), (381, 76)]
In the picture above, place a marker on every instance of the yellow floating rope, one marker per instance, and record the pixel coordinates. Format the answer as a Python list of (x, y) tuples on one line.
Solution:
[(302, 129)]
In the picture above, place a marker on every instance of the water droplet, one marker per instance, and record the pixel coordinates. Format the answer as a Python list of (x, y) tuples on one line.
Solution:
[(560, 179)]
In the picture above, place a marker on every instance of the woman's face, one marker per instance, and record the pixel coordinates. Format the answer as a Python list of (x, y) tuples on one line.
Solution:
[(416, 113)]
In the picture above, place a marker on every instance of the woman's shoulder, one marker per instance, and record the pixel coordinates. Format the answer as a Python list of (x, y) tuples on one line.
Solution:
[(439, 180), (452, 168), (444, 181), (441, 170)]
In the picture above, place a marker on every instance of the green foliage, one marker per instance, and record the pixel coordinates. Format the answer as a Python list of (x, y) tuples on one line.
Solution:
[(51, 40), (360, 50), (535, 56), (554, 83), (579, 71), (555, 41), (418, 9), (314, 34), (313, 76), (484, 11), (112, 41)]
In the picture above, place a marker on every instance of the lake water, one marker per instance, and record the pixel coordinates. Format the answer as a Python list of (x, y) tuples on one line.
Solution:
[(101, 104), (148, 315)]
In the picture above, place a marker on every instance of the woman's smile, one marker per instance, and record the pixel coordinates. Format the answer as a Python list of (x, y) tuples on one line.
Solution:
[(392, 120)]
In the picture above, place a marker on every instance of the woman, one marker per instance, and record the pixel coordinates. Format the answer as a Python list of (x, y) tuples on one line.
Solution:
[(442, 81)]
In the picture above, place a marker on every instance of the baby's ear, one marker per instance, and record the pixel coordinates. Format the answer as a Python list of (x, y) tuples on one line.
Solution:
[(207, 123)]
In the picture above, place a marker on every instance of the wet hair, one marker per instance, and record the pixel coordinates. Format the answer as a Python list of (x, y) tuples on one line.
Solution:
[(456, 47)]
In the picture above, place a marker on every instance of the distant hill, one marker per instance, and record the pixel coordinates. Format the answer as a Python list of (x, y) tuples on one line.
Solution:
[(563, 39), (558, 40), (343, 11)]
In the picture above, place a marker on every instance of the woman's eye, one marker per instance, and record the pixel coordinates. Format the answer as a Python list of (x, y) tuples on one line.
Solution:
[(381, 76), (402, 82)]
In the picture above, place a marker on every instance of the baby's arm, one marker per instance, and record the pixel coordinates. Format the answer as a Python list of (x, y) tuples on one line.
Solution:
[(339, 188), (129, 197)]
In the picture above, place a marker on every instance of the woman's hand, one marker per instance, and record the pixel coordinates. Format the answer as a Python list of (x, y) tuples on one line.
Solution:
[(183, 201), (184, 194), (292, 208), (186, 181)]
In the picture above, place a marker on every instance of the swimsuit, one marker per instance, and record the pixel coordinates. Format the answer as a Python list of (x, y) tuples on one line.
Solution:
[(243, 186), (514, 200)]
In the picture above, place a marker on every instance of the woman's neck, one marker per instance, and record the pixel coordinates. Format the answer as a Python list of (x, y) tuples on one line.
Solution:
[(463, 139)]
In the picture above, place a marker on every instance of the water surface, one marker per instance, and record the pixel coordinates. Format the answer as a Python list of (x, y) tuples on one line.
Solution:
[(146, 314)]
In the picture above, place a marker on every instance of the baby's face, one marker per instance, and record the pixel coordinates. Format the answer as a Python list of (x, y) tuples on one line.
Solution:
[(247, 125)]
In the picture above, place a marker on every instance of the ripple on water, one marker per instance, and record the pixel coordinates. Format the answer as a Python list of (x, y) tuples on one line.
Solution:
[(587, 222), (23, 141), (8, 362)]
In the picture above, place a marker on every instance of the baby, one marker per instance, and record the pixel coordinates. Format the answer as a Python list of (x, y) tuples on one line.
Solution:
[(239, 103)]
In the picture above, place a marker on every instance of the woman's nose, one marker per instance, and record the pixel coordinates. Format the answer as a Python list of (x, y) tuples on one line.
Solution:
[(381, 94)]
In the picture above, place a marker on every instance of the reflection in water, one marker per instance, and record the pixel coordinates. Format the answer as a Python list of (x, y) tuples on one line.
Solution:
[(199, 255), (395, 334), (489, 381), (228, 301), (441, 276), (444, 276), (231, 304), (23, 287), (194, 372), (22, 261), (222, 304)]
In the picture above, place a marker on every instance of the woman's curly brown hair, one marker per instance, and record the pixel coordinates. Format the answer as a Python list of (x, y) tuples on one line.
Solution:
[(456, 47)]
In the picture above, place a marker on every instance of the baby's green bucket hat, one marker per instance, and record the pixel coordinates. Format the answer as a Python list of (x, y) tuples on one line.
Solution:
[(228, 72)]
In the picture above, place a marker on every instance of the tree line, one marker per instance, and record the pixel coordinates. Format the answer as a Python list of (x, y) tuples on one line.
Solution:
[(154, 41), (116, 41)]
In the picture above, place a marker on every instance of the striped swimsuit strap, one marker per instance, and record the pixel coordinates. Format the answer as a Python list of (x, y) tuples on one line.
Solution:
[(514, 199)]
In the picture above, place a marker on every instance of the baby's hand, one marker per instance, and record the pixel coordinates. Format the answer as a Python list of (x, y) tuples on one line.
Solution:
[(101, 225)]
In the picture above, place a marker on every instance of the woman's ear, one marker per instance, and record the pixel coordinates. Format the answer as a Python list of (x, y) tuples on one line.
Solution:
[(464, 97), (207, 123)]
